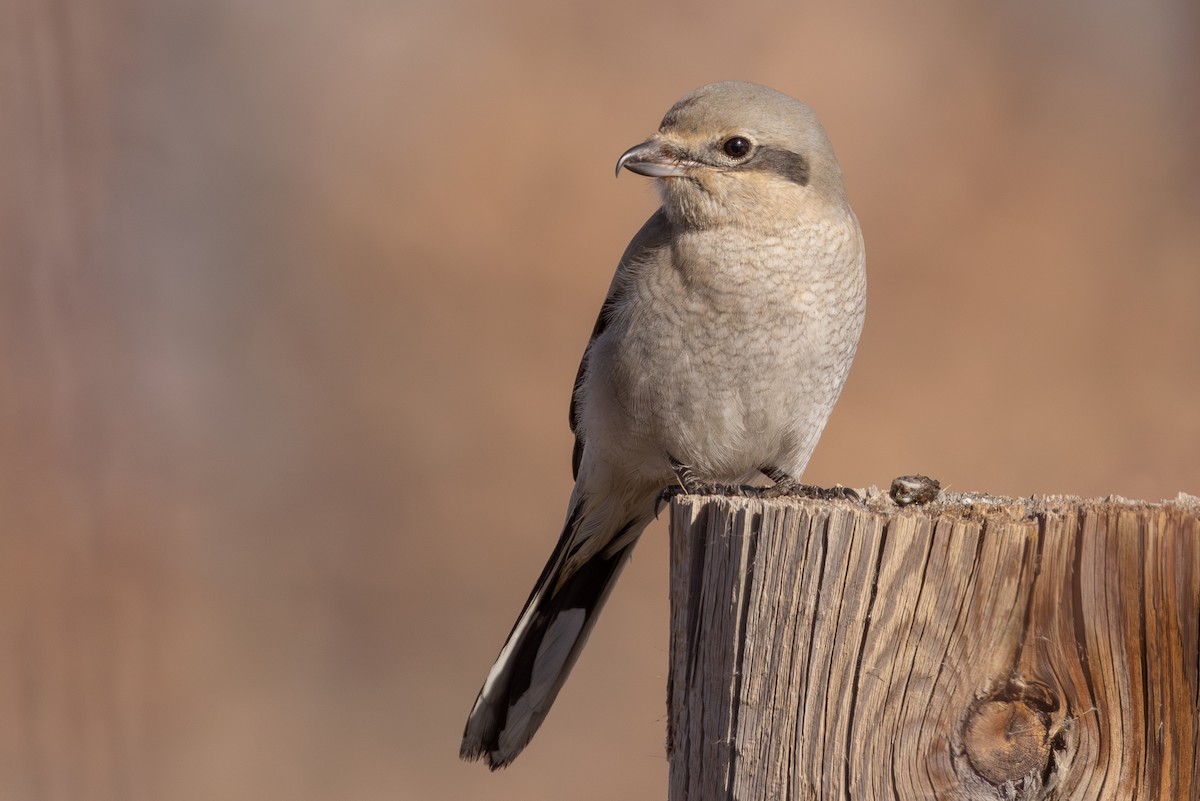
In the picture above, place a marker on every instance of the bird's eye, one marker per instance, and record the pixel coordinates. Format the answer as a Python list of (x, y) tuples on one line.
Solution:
[(736, 147)]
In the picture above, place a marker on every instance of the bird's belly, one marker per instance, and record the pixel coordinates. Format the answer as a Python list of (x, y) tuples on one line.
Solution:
[(725, 402), (726, 423)]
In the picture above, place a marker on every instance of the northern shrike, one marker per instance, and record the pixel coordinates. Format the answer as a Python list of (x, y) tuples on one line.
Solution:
[(720, 350)]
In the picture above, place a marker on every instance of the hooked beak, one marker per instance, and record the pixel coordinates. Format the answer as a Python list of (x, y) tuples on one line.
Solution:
[(654, 159)]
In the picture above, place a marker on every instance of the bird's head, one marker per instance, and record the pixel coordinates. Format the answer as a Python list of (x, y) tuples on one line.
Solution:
[(734, 152)]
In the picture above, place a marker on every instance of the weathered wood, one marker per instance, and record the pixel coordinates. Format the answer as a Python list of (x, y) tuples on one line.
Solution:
[(974, 648)]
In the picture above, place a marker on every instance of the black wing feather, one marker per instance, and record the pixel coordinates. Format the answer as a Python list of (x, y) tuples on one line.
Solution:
[(602, 322)]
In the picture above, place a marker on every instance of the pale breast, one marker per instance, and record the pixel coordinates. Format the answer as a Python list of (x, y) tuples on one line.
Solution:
[(729, 355)]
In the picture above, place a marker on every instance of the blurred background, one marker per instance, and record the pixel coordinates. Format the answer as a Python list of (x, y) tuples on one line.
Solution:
[(293, 294)]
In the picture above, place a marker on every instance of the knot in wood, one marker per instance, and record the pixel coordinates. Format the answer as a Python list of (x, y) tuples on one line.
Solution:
[(1006, 740)]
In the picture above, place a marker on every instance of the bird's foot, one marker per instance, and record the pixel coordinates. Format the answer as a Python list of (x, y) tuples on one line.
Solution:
[(784, 485), (690, 484), (708, 488)]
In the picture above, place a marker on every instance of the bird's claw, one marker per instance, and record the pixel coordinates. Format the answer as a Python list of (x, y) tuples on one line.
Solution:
[(706, 488), (838, 493), (689, 484), (795, 489), (785, 485)]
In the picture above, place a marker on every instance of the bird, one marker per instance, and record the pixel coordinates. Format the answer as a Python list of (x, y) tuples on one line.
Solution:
[(720, 349)]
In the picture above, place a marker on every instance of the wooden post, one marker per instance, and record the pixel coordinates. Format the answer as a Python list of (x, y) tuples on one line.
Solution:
[(972, 648)]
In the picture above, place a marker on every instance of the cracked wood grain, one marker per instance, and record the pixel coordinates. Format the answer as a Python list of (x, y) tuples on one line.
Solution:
[(973, 649)]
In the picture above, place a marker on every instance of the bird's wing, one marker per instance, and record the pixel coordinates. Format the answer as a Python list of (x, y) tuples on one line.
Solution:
[(653, 236)]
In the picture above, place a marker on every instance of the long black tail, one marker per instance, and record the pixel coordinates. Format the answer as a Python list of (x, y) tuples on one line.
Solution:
[(540, 651)]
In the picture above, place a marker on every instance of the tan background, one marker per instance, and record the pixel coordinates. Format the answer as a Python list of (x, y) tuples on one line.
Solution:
[(293, 293)]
